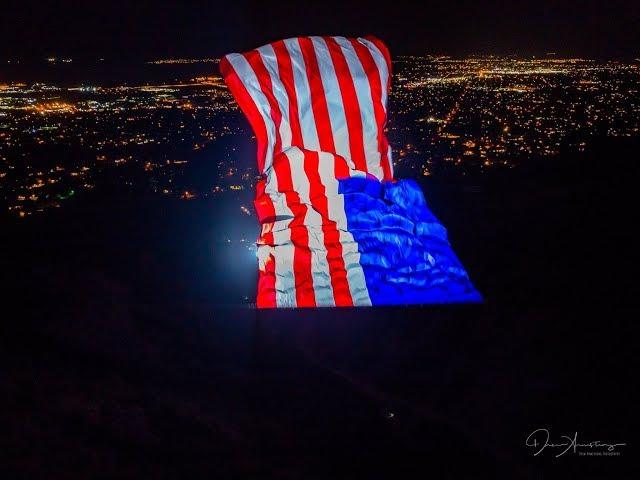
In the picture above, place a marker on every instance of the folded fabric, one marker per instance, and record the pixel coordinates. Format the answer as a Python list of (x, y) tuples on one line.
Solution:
[(350, 241), (337, 229)]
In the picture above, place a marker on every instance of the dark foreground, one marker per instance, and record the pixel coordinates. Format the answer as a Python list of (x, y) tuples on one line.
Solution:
[(119, 362)]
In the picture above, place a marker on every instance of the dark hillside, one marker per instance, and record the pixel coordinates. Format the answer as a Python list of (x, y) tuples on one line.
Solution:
[(128, 349)]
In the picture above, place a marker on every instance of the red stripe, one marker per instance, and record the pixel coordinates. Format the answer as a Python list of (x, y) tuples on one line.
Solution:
[(387, 57), (337, 271), (285, 72), (305, 295), (350, 102), (248, 107), (385, 53), (319, 104), (341, 168), (266, 297), (375, 84), (318, 96), (317, 193), (264, 79)]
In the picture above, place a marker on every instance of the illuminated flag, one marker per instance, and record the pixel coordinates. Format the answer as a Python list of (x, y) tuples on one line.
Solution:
[(337, 229)]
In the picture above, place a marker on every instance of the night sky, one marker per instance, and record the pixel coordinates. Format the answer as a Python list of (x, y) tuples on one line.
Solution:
[(148, 29)]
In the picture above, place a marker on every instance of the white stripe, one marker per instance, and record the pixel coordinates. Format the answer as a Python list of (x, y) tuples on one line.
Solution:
[(283, 247), (271, 64), (285, 283), (339, 127), (303, 93), (363, 93), (320, 272), (250, 81), (350, 253)]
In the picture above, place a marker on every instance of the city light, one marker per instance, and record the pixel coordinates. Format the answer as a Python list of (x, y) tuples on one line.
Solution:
[(473, 114)]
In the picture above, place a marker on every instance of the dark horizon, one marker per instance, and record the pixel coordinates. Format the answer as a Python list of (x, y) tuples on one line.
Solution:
[(148, 30)]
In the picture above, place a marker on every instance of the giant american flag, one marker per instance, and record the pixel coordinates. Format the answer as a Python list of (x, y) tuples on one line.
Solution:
[(336, 228)]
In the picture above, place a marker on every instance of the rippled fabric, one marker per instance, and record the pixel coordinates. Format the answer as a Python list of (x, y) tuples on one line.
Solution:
[(337, 229), (381, 234), (404, 250)]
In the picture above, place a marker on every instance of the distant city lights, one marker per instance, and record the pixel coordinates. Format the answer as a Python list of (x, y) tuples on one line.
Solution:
[(468, 115)]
